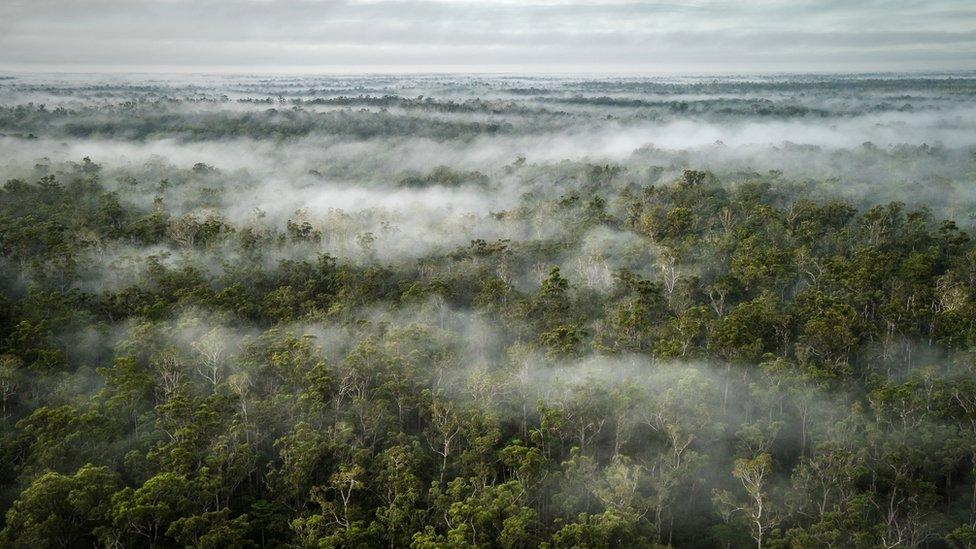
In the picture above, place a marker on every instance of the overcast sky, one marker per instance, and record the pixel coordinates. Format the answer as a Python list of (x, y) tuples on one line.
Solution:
[(540, 36)]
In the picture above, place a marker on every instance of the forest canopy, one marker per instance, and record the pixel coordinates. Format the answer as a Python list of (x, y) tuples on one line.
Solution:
[(488, 312)]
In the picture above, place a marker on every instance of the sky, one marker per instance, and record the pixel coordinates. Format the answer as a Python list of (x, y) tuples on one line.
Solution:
[(491, 36)]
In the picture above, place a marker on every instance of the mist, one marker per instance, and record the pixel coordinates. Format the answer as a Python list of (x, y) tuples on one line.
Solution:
[(442, 310)]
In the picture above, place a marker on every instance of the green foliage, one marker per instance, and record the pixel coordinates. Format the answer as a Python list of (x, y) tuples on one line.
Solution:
[(61, 510), (634, 353)]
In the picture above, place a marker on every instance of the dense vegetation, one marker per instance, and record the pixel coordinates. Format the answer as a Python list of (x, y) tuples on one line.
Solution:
[(278, 347)]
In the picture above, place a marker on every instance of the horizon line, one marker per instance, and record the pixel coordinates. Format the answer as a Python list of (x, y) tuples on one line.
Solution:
[(380, 71)]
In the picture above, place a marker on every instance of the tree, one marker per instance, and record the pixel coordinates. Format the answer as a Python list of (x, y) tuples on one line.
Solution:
[(148, 511), (491, 516), (59, 510), (757, 508), (604, 531)]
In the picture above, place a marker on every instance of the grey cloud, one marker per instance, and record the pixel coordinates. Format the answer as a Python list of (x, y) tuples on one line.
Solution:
[(689, 36)]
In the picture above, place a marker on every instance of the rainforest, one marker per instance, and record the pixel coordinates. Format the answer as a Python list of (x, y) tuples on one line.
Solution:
[(487, 311)]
